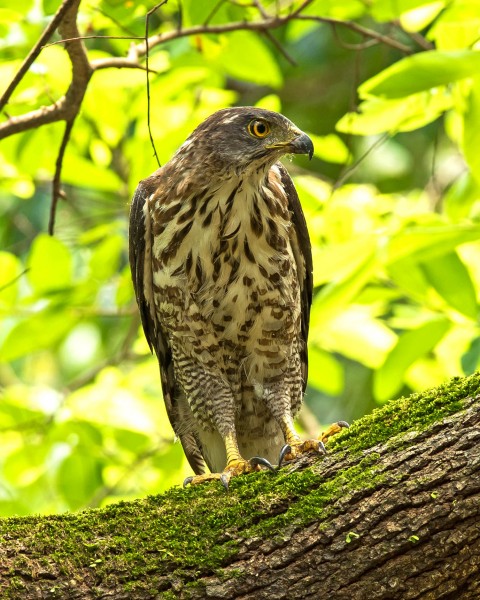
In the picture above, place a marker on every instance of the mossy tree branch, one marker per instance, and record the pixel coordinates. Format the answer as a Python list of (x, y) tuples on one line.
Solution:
[(391, 512)]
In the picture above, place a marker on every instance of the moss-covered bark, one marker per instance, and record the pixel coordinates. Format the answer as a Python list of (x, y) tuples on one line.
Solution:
[(391, 512)]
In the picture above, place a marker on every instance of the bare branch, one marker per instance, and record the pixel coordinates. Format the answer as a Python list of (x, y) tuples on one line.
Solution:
[(57, 192), (68, 106), (371, 33), (35, 51)]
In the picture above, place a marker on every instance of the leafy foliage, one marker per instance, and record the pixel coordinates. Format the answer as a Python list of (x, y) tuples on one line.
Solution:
[(391, 198)]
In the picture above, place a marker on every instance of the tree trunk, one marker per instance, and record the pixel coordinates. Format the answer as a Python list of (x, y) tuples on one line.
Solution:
[(392, 512)]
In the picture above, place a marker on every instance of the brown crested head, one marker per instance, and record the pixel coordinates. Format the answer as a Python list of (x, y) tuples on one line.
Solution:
[(243, 139)]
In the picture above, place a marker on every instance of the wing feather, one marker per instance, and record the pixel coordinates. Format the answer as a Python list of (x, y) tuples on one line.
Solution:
[(140, 254), (303, 256)]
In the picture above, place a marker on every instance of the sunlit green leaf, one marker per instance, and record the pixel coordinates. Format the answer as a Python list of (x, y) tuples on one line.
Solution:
[(422, 242), (41, 330), (330, 148), (78, 477), (376, 115), (105, 259), (245, 56), (418, 18), (83, 173), (422, 72), (27, 464), (324, 371), (411, 345), (10, 269), (451, 279), (471, 358), (49, 265), (471, 130), (338, 293), (386, 10)]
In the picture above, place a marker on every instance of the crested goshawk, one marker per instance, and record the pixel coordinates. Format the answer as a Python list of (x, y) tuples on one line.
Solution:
[(222, 269)]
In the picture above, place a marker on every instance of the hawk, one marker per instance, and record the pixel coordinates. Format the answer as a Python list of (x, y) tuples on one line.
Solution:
[(222, 270)]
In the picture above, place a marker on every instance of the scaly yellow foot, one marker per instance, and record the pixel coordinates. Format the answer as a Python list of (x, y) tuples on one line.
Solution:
[(333, 429), (235, 467), (296, 447)]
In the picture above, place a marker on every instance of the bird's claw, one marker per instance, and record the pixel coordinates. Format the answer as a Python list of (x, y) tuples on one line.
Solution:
[(334, 429), (259, 460), (233, 469), (291, 451)]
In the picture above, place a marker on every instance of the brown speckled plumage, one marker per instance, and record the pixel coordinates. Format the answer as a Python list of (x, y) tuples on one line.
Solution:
[(221, 264)]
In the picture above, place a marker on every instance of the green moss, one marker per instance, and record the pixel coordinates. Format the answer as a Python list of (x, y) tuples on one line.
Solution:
[(187, 532)]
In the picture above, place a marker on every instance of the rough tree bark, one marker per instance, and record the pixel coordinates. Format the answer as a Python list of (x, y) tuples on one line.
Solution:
[(391, 512)]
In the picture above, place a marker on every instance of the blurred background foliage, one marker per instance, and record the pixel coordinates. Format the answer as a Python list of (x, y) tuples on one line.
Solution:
[(391, 198)]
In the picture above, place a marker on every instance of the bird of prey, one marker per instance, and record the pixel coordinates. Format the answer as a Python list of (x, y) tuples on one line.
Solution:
[(222, 270)]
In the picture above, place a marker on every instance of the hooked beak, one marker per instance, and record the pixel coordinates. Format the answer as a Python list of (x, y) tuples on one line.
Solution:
[(301, 144)]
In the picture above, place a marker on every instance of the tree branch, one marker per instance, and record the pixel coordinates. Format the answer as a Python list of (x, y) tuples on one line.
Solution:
[(391, 512), (35, 51)]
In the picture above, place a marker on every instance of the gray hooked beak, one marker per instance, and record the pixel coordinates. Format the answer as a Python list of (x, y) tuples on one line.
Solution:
[(302, 145)]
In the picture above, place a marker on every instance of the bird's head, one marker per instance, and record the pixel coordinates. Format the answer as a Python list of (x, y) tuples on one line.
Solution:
[(245, 139)]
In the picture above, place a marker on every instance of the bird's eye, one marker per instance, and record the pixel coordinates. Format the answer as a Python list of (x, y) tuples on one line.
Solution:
[(258, 128)]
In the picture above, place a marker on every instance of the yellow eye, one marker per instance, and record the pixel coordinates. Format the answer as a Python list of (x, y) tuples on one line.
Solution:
[(258, 128)]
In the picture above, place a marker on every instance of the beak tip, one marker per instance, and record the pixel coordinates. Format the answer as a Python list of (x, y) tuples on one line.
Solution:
[(303, 145)]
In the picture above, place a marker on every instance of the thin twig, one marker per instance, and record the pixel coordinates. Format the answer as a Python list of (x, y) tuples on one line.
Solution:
[(147, 23), (346, 174), (12, 281), (57, 192), (371, 33), (95, 37), (35, 51), (268, 34)]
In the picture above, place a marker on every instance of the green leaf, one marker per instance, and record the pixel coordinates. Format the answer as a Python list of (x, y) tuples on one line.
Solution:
[(10, 269), (471, 358), (325, 372), (81, 172), (246, 57), (423, 242), (26, 465), (411, 346), (49, 264), (471, 131), (409, 276), (42, 330), (338, 293), (79, 476), (451, 279), (376, 115), (330, 148), (105, 260), (422, 72), (337, 262), (386, 10)]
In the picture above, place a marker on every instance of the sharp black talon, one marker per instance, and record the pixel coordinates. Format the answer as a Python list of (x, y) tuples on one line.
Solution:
[(224, 481), (187, 480), (258, 460), (343, 424), (283, 452)]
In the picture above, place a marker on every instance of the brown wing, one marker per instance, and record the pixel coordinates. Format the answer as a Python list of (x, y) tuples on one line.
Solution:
[(303, 256), (140, 251)]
